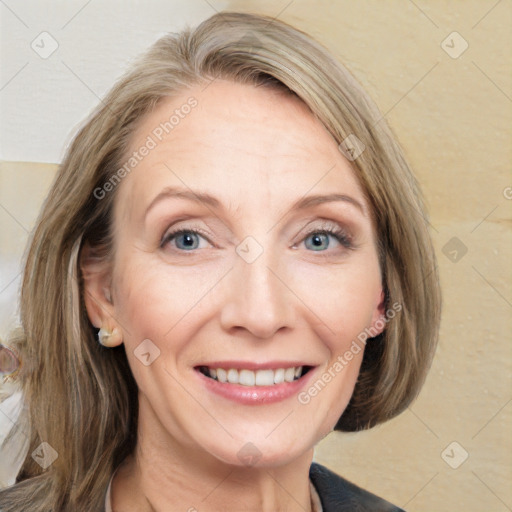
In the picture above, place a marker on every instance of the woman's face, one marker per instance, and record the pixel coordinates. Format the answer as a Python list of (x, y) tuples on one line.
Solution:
[(222, 261)]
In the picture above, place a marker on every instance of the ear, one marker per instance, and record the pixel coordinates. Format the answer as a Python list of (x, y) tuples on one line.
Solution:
[(378, 323), (97, 277)]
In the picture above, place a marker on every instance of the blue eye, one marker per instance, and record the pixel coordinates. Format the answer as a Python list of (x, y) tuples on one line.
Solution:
[(186, 239), (320, 239)]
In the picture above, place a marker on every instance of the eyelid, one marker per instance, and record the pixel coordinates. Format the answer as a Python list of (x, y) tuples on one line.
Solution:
[(328, 224), (173, 231), (341, 234), (315, 225)]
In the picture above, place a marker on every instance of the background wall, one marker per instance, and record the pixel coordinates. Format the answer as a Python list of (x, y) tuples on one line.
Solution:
[(440, 73)]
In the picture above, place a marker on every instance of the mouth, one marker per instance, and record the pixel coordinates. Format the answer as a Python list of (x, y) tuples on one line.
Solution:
[(258, 377), (251, 383)]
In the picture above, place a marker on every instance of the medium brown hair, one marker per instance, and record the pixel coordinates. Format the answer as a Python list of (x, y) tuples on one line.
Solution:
[(81, 397)]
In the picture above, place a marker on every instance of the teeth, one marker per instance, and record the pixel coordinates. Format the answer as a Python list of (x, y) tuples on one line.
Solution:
[(257, 378), (247, 377), (289, 374), (233, 377), (264, 378), (279, 376)]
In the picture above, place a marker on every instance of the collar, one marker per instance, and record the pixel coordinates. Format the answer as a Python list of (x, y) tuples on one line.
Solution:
[(339, 495)]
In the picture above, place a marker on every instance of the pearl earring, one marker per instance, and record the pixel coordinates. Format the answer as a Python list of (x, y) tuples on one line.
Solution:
[(109, 338)]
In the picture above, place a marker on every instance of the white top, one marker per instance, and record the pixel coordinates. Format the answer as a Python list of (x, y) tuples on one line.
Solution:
[(316, 505)]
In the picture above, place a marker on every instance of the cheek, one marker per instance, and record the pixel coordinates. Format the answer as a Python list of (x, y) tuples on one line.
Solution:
[(343, 299), (343, 307), (148, 306), (152, 307), (328, 394), (156, 302)]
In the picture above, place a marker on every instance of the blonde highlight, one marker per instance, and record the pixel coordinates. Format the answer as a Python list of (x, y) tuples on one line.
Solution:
[(72, 386)]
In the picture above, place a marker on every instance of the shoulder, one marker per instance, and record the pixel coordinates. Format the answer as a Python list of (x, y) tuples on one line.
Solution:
[(340, 495)]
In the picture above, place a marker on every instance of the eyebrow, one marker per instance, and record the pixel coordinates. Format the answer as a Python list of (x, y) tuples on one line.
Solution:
[(203, 197)]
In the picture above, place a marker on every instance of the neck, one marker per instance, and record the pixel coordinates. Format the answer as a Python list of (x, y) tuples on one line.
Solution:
[(164, 474)]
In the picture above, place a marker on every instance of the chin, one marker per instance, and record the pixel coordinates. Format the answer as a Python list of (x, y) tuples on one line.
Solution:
[(261, 452)]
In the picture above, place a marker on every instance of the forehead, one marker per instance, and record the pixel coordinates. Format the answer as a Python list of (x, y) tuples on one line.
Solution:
[(237, 141)]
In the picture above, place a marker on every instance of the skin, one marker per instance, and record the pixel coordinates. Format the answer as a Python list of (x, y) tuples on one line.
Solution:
[(257, 151)]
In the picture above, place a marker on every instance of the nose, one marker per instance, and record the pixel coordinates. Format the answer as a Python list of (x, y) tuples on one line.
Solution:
[(259, 299)]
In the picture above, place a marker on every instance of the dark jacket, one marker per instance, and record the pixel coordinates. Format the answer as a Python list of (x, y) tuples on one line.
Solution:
[(339, 495)]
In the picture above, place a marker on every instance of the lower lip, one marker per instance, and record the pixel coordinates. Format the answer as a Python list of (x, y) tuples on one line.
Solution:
[(255, 395)]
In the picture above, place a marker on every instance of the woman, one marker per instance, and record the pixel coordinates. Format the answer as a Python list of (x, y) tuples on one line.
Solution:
[(232, 262)]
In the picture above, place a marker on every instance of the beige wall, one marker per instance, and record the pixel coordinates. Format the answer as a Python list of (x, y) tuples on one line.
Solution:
[(453, 117)]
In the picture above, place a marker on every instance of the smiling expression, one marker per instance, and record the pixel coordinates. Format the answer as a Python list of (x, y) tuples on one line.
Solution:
[(245, 252)]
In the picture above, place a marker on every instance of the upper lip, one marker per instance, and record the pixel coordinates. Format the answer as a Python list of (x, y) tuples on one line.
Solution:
[(251, 365)]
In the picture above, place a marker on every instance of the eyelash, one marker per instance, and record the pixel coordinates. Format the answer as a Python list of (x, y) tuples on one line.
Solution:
[(339, 234), (173, 234), (336, 232)]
